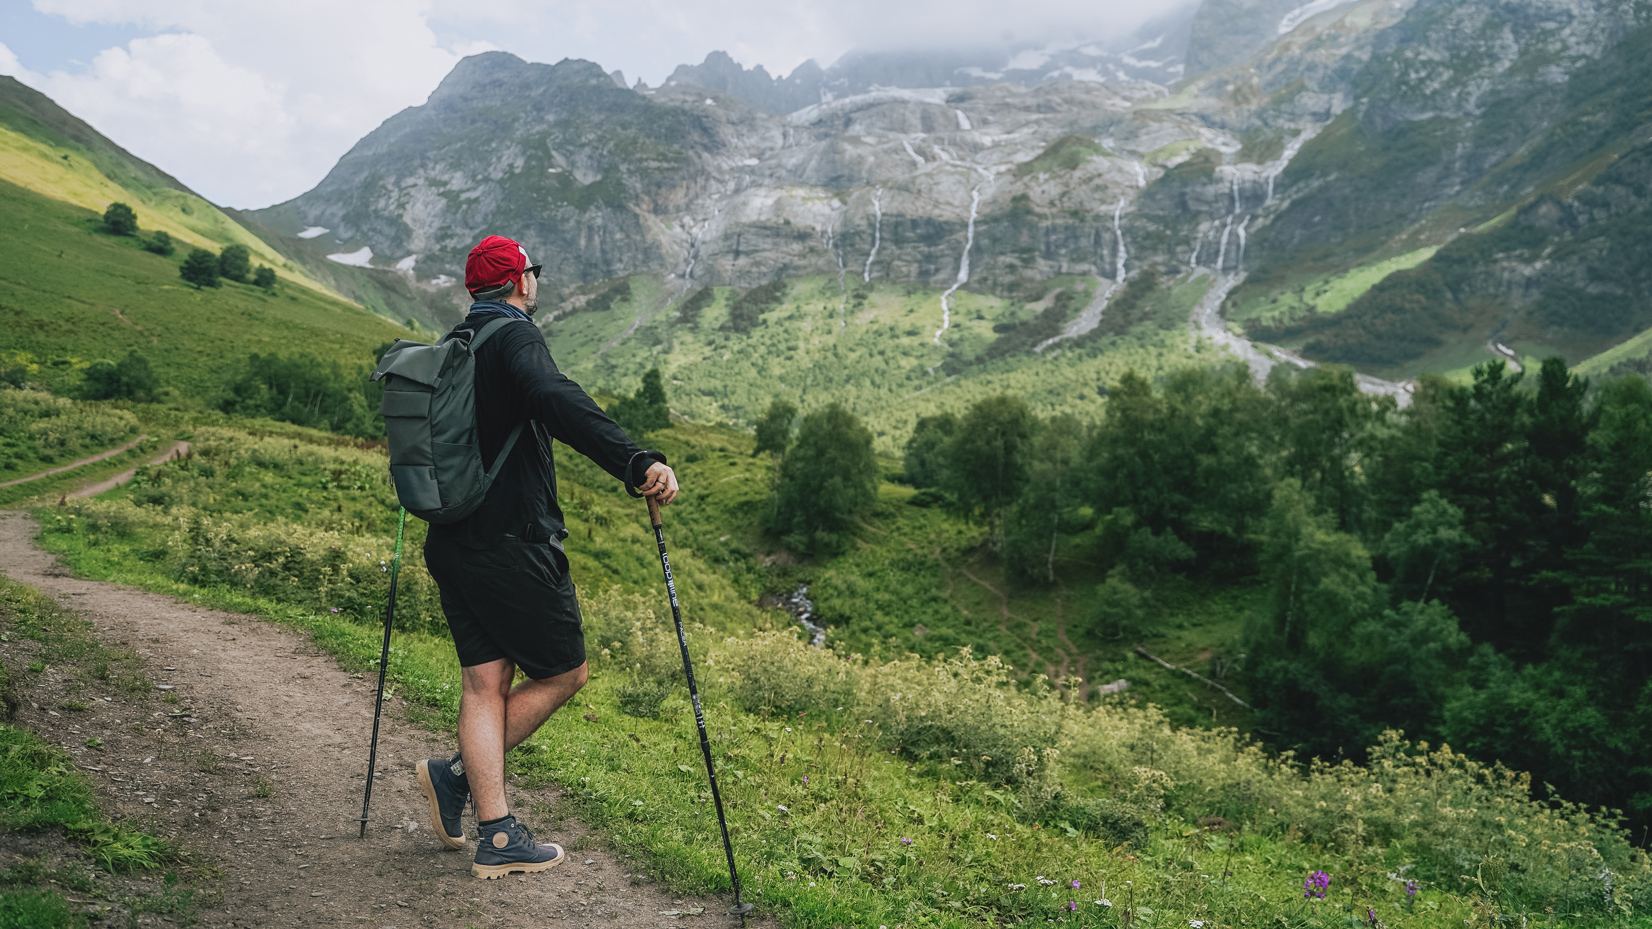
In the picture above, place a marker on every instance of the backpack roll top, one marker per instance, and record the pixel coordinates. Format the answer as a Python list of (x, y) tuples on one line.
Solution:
[(429, 410)]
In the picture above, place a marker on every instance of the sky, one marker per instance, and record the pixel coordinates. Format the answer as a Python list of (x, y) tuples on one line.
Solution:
[(251, 103)]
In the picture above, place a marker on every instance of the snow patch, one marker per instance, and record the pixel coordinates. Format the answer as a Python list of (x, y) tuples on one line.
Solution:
[(406, 264), (360, 258), (982, 73), (1027, 60), (749, 162), (1147, 45), (1305, 12), (313, 231), (963, 121), (818, 111)]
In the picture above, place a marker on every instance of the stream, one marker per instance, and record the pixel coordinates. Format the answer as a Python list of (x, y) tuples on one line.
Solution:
[(802, 609)]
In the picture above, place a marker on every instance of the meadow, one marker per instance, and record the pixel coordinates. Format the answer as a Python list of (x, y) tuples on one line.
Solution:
[(72, 294), (879, 788)]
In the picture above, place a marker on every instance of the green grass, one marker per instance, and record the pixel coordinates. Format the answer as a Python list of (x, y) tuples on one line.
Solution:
[(827, 851), (874, 354), (71, 294), (1064, 154), (1322, 294), (40, 790)]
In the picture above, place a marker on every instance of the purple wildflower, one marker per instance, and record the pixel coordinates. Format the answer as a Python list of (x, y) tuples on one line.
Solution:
[(1316, 885), (335, 609), (1075, 885), (905, 840), (805, 780), (1410, 888), (1071, 907)]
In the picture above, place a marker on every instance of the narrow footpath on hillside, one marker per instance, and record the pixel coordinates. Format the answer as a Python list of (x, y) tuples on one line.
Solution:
[(257, 770)]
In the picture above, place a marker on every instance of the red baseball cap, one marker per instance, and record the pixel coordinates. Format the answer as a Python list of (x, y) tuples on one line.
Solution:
[(496, 261)]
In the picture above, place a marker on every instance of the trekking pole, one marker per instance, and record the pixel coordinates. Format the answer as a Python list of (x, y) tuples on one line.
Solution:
[(384, 665), (740, 908)]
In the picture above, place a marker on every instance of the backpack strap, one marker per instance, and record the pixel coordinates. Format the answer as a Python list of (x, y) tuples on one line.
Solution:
[(487, 331), (510, 443)]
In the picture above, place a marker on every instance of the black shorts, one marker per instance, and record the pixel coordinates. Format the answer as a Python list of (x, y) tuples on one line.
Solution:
[(515, 601)]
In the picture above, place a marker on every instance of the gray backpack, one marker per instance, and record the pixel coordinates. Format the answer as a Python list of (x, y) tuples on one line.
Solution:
[(429, 410)]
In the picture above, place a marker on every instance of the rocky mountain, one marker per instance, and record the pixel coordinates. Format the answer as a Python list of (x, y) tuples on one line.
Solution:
[(1398, 184)]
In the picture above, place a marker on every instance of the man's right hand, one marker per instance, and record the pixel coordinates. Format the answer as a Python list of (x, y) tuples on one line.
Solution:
[(660, 482)]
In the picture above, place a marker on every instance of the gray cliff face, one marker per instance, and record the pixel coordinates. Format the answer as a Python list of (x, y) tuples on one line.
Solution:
[(1324, 135)]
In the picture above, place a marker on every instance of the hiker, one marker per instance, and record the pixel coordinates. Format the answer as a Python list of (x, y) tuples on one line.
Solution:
[(502, 571)]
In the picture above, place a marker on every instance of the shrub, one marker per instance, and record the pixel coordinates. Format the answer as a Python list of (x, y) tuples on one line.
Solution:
[(131, 378), (646, 410), (774, 430), (303, 390), (265, 277), (200, 268), (747, 309), (120, 219), (776, 672), (160, 243), (235, 263)]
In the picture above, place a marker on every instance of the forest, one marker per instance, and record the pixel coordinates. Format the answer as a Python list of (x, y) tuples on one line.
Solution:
[(1474, 569)]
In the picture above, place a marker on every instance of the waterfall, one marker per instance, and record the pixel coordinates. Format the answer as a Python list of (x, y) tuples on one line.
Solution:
[(1240, 267), (963, 121), (963, 263), (837, 252), (1222, 255), (1236, 192), (1198, 241), (877, 233), (1118, 275), (915, 156), (1277, 166), (1141, 174)]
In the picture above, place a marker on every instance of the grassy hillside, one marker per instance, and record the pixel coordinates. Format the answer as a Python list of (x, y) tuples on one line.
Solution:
[(71, 294), (907, 792), (870, 348)]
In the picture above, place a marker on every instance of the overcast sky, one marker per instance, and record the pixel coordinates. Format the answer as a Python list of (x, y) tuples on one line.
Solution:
[(252, 103)]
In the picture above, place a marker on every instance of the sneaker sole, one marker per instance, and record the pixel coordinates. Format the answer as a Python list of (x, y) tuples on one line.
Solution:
[(429, 790), (493, 872)]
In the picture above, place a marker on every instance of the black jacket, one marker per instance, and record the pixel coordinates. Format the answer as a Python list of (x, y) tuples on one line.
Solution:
[(516, 381)]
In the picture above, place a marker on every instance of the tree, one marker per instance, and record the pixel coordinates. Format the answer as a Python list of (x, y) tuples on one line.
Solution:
[(989, 460), (235, 263), (1431, 538), (200, 268), (265, 277), (1048, 501), (774, 430), (305, 390), (160, 243), (120, 219), (827, 483), (646, 410), (926, 460), (131, 378)]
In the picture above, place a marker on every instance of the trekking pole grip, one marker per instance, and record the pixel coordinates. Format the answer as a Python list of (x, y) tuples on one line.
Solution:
[(654, 510)]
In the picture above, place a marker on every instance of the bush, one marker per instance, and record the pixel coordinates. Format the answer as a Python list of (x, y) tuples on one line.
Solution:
[(235, 263), (646, 410), (303, 390), (926, 462), (774, 430), (131, 378), (827, 483), (688, 312), (265, 277), (120, 219), (160, 243), (200, 268)]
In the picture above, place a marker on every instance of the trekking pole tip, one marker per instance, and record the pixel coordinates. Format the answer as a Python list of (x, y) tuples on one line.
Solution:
[(741, 909)]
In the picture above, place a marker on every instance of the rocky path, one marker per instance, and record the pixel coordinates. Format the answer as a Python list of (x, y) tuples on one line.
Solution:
[(257, 771)]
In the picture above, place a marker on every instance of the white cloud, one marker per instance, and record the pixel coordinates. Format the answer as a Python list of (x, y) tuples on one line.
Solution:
[(252, 103)]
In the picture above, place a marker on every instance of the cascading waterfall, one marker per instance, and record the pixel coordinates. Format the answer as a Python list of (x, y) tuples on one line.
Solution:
[(963, 264), (837, 252), (915, 156), (1240, 267), (1198, 242), (1277, 167), (877, 234), (1222, 253), (1118, 274)]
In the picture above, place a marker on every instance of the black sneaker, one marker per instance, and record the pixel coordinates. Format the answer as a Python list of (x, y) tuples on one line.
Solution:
[(447, 793), (506, 847)]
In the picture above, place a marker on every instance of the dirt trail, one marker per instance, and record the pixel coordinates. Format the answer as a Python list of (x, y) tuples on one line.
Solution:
[(74, 464), (269, 713), (178, 450)]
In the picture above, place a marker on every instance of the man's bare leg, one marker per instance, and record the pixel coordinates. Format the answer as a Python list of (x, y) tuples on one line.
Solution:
[(495, 717)]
